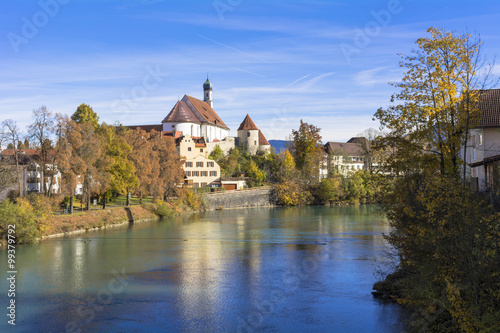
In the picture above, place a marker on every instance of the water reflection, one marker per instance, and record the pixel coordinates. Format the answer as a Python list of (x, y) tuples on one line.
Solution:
[(283, 270)]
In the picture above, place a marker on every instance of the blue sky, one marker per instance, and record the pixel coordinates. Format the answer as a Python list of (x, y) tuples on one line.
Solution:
[(326, 62)]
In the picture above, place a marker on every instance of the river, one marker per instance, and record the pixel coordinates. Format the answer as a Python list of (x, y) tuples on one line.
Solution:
[(307, 269)]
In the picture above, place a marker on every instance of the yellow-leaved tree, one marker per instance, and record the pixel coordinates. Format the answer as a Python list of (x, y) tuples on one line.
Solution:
[(442, 231), (429, 114)]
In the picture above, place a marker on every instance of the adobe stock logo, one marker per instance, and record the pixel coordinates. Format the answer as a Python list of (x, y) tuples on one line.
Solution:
[(223, 6), (40, 19), (363, 37)]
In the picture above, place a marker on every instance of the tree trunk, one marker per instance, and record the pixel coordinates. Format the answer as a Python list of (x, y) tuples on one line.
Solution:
[(19, 175), (104, 202), (71, 204), (42, 178), (88, 197), (128, 198)]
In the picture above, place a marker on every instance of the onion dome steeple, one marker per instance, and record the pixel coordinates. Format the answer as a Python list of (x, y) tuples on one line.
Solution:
[(207, 92)]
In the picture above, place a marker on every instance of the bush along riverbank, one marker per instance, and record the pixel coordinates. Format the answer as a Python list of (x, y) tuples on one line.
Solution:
[(34, 219), (359, 187), (448, 260)]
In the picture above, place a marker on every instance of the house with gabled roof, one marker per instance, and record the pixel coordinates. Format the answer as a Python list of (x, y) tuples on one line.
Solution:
[(483, 145), (29, 161), (200, 171), (342, 157)]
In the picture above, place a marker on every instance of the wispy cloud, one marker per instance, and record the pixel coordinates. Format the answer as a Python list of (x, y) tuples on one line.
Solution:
[(376, 76)]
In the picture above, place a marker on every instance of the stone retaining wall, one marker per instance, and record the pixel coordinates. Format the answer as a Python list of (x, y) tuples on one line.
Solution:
[(259, 197)]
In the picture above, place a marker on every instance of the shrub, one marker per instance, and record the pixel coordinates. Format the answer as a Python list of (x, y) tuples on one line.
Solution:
[(291, 194), (193, 200), (162, 209), (21, 215)]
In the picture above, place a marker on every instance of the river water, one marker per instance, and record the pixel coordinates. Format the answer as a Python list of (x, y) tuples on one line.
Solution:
[(307, 269)]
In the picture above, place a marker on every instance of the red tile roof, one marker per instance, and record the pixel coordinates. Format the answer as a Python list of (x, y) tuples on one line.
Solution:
[(181, 113), (147, 128), (204, 112), (489, 106), (247, 124), (262, 140), (176, 134)]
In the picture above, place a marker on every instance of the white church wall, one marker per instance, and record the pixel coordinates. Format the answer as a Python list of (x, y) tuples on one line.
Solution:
[(212, 133), (186, 128)]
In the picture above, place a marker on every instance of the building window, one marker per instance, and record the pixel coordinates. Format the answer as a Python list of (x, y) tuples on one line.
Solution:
[(189, 164), (196, 185), (213, 173), (199, 164), (210, 164), (203, 184), (255, 142), (248, 134), (473, 154), (188, 173), (189, 148), (473, 140), (196, 173), (204, 173), (480, 139), (201, 150)]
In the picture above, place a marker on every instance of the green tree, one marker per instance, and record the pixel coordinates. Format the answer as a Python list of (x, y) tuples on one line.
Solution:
[(306, 150), (121, 169), (217, 154), (354, 188), (85, 113), (329, 190), (230, 166), (21, 215), (255, 176)]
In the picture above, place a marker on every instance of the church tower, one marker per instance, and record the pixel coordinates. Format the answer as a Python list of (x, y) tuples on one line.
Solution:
[(207, 93), (248, 134)]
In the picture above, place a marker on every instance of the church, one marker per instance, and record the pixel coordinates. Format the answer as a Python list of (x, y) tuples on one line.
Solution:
[(198, 129), (197, 118)]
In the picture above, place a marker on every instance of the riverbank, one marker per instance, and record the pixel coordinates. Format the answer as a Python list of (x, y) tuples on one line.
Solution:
[(61, 225), (34, 221)]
